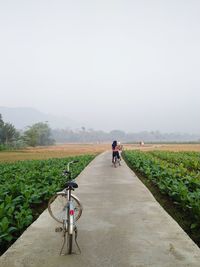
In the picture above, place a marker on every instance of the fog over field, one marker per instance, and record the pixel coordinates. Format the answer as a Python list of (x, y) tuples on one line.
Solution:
[(129, 65)]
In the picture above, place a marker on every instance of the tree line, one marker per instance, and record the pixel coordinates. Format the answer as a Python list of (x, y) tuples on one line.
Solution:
[(39, 134), (84, 135)]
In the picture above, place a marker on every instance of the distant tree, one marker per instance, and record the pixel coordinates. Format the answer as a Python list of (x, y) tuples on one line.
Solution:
[(1, 128), (1, 120), (8, 133), (38, 134), (118, 134)]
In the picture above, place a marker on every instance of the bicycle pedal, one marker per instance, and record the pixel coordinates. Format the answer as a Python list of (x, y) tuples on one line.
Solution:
[(58, 229)]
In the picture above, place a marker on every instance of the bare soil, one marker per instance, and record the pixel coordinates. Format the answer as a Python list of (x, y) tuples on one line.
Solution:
[(57, 151), (167, 147)]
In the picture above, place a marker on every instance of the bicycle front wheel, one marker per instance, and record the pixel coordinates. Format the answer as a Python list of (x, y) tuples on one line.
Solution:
[(57, 207)]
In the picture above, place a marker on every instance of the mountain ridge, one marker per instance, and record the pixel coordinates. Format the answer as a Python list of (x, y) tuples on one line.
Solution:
[(22, 117)]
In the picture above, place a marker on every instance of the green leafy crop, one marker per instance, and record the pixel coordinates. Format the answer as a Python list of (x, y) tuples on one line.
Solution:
[(27, 185), (176, 174)]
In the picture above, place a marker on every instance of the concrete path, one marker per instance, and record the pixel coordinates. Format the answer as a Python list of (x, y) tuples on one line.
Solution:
[(122, 225)]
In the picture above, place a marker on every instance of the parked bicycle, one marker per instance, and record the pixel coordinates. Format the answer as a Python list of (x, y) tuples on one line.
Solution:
[(66, 209)]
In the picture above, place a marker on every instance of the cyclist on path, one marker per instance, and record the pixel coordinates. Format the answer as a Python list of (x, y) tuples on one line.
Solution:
[(115, 151)]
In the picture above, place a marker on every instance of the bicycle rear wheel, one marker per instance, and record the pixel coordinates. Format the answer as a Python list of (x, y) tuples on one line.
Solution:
[(57, 207), (115, 161), (69, 243)]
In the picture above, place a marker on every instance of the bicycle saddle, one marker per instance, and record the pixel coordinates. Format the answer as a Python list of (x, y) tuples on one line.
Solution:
[(71, 185)]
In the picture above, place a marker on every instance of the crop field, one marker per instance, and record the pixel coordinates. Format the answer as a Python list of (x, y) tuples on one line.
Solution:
[(65, 150), (165, 147), (177, 175), (29, 177), (25, 187), (57, 151)]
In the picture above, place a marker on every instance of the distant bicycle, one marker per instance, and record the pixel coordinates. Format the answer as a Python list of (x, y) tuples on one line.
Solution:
[(116, 160), (66, 209), (116, 149)]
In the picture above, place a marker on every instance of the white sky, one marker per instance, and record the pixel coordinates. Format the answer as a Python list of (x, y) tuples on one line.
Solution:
[(129, 65)]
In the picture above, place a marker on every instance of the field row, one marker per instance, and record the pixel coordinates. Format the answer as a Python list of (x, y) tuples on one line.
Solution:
[(175, 174), (189, 160), (26, 186)]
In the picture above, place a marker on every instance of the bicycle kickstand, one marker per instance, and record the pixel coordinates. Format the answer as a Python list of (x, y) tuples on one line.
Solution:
[(76, 234), (64, 241)]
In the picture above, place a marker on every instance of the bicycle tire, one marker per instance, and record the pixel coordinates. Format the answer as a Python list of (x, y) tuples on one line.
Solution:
[(69, 243), (115, 161), (57, 207)]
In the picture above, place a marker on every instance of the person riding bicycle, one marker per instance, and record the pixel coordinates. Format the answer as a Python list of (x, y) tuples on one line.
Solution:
[(115, 151), (120, 147)]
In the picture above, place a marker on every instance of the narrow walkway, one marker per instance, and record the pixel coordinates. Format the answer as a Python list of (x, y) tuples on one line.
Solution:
[(122, 225)]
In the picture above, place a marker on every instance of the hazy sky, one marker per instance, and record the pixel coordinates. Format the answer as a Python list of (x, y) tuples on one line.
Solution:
[(129, 65)]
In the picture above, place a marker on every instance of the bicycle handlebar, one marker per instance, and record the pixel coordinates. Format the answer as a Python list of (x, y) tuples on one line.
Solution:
[(75, 161), (69, 163)]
